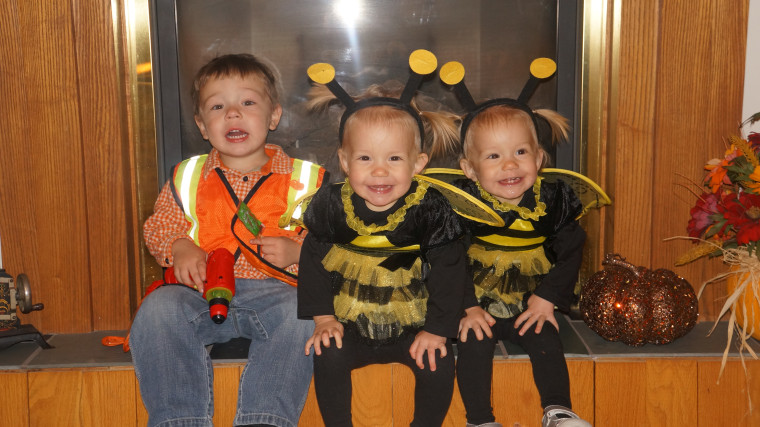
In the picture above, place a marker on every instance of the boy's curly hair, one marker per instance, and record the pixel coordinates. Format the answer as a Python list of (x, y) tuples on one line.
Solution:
[(242, 65)]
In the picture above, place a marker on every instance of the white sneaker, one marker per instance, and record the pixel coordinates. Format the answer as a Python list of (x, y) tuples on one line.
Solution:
[(559, 416)]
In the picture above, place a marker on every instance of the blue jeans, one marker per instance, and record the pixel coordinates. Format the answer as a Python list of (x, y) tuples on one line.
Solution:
[(168, 343)]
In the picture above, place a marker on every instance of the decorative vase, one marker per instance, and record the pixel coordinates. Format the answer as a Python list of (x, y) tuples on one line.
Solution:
[(744, 281)]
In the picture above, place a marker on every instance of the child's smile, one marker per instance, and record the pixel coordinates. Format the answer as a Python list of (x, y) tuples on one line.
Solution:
[(380, 161), (504, 160)]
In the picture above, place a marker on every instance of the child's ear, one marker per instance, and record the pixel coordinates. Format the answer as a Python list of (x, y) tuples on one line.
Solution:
[(540, 159), (276, 116), (201, 126), (343, 160), (419, 165), (468, 170)]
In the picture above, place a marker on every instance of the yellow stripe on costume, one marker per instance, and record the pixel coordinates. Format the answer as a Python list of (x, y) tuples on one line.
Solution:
[(531, 262), (405, 314), (381, 242), (514, 242), (511, 241), (365, 268)]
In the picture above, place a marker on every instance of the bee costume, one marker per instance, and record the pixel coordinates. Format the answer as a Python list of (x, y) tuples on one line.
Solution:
[(539, 248), (385, 276), (538, 251)]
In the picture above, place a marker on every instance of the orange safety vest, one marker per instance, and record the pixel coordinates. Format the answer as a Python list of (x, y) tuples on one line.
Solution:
[(210, 205)]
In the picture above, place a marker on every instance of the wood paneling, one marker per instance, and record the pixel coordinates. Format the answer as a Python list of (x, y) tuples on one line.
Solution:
[(82, 398), (679, 94), (48, 148), (634, 139), (372, 396), (690, 129), (521, 404), (226, 380), (65, 163), (725, 400), (515, 404), (16, 400), (107, 395), (661, 392), (106, 159), (606, 392)]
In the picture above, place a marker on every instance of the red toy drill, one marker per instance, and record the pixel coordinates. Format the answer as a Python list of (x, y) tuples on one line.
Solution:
[(220, 283)]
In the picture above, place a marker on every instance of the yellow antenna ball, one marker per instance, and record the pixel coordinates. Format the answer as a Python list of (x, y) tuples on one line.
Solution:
[(423, 61), (321, 73), (452, 73), (542, 68)]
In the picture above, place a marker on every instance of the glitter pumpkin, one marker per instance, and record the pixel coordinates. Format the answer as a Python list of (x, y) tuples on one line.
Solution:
[(635, 305)]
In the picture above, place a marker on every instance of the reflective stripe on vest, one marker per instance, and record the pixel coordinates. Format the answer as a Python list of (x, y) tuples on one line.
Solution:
[(304, 178), (186, 182)]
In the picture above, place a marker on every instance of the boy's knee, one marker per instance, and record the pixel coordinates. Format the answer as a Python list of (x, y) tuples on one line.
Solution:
[(165, 304)]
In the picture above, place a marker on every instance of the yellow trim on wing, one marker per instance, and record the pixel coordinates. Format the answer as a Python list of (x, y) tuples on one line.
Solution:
[(490, 217), (604, 199)]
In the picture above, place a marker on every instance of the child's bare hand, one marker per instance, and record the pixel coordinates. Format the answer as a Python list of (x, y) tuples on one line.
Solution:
[(278, 250), (427, 342), (189, 263), (539, 311), (325, 327), (479, 321)]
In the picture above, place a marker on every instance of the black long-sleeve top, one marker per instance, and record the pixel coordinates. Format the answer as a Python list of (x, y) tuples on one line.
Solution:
[(431, 223), (563, 246)]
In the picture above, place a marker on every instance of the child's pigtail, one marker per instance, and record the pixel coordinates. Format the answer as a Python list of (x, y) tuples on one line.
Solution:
[(559, 126), (442, 133), (320, 98)]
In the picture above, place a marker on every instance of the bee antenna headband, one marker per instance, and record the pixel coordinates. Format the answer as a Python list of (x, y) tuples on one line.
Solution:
[(421, 63), (452, 73)]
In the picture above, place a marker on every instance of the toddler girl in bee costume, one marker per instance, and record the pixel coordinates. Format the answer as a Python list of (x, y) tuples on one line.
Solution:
[(382, 270), (525, 268)]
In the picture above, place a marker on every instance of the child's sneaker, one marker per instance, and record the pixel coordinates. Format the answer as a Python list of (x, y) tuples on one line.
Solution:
[(559, 416), (484, 425)]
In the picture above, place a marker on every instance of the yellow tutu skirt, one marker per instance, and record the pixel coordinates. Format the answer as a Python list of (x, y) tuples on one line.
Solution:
[(503, 277), (381, 304)]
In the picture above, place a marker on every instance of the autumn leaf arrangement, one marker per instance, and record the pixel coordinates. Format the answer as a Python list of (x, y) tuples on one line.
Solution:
[(725, 222), (726, 214)]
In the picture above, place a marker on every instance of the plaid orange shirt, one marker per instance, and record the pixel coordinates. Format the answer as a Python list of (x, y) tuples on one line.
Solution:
[(168, 223)]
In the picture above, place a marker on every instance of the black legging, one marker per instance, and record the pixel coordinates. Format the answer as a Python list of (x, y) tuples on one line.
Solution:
[(475, 367), (332, 379)]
